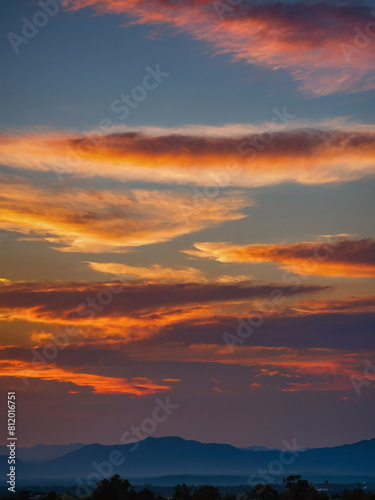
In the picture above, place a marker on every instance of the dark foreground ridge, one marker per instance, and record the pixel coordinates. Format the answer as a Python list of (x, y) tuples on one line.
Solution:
[(293, 488)]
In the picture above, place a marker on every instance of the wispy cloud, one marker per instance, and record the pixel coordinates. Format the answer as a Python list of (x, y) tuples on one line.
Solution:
[(159, 274), (136, 311), (302, 155), (342, 257), (304, 37), (151, 274), (94, 221), (137, 386)]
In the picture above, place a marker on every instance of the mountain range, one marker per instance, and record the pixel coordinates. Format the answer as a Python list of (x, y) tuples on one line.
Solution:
[(42, 452), (173, 456)]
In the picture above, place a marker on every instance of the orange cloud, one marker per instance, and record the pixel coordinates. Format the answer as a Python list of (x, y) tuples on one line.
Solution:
[(315, 41), (348, 305), (338, 384), (302, 361), (331, 369), (79, 220), (159, 274), (341, 257), (101, 385), (130, 311), (206, 157), (151, 274)]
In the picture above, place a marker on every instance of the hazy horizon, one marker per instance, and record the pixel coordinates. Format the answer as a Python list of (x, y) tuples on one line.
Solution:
[(203, 442)]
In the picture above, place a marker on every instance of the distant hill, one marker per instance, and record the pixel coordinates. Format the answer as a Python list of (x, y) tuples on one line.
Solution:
[(42, 452), (260, 448), (173, 456)]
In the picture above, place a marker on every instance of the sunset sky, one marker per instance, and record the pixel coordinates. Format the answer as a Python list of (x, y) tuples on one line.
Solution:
[(187, 210)]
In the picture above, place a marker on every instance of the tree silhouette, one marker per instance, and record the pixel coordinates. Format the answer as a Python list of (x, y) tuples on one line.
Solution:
[(297, 488), (264, 492), (206, 493), (182, 492), (113, 489)]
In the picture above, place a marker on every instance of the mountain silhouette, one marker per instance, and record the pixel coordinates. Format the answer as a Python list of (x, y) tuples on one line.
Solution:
[(156, 457), (42, 452)]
